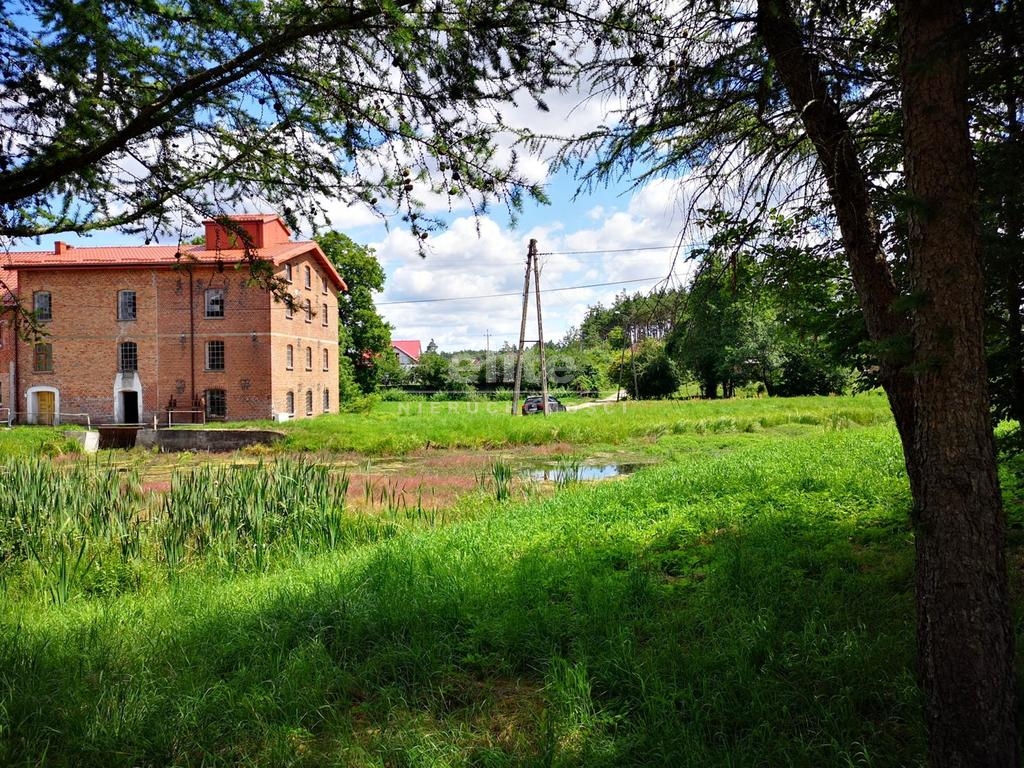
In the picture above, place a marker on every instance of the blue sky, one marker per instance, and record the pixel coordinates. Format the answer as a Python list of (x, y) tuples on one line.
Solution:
[(627, 238)]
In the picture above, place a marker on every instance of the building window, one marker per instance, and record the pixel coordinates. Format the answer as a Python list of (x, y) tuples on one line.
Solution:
[(323, 284), (126, 305), (289, 309), (323, 314), (308, 308), (309, 358), (327, 360), (289, 403), (215, 355), (42, 357), (42, 306), (127, 357), (216, 404), (288, 273), (309, 278), (215, 302), (327, 401), (289, 357), (309, 402)]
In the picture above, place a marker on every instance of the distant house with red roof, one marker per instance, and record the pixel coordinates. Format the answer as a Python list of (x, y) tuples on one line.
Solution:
[(408, 352), (135, 334)]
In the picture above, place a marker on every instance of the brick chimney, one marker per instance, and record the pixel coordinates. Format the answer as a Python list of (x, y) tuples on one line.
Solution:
[(261, 229), (61, 247)]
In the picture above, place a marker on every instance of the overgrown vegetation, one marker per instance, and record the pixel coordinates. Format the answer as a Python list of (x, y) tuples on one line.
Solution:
[(749, 601)]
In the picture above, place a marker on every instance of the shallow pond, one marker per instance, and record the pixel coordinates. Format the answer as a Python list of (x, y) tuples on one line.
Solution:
[(571, 473)]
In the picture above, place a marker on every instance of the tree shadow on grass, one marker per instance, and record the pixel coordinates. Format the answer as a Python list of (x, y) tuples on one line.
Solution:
[(765, 642)]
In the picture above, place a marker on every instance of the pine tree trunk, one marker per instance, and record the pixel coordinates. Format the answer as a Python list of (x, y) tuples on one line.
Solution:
[(965, 639), (1013, 296), (940, 403), (849, 191)]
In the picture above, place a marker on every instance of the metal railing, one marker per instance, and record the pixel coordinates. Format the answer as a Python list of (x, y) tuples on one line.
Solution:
[(8, 416), (191, 412), (62, 418)]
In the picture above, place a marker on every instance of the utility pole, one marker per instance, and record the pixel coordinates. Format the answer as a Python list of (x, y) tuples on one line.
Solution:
[(522, 329), (531, 265), (540, 330)]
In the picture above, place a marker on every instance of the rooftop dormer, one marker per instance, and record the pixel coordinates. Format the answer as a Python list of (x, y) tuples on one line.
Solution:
[(262, 229)]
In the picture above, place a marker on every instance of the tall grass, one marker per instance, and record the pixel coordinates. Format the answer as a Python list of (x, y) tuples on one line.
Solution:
[(748, 604), (36, 441)]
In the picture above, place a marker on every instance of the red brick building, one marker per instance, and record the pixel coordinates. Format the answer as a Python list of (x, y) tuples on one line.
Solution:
[(8, 343), (135, 334)]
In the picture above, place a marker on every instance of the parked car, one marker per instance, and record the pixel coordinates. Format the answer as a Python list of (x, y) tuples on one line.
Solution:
[(535, 404)]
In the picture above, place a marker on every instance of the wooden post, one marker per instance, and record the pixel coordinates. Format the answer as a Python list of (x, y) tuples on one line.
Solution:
[(540, 329), (522, 330)]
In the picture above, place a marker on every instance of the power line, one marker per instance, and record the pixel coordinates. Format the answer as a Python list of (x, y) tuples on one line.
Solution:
[(432, 262), (609, 250), (502, 295)]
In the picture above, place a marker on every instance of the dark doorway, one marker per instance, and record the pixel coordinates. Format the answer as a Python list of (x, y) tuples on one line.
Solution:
[(130, 407)]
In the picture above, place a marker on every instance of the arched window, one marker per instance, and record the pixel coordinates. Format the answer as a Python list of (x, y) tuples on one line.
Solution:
[(327, 401), (289, 403), (309, 402)]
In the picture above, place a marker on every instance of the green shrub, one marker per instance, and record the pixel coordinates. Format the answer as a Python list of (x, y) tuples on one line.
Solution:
[(362, 404), (395, 395)]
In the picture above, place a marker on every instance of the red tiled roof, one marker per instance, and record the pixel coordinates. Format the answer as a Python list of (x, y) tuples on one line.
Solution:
[(8, 284), (410, 348), (161, 255)]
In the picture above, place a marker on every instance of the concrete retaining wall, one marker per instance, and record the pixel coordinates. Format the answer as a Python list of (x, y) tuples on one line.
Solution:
[(215, 440), (90, 440)]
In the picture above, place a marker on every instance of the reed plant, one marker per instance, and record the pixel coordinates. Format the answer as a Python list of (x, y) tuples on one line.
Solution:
[(88, 528), (240, 517), (502, 475), (567, 471)]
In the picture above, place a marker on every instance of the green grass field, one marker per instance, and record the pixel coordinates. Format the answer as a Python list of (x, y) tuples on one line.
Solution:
[(747, 600), (397, 428)]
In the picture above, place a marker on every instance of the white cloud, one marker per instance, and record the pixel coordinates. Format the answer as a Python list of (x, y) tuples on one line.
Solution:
[(482, 258)]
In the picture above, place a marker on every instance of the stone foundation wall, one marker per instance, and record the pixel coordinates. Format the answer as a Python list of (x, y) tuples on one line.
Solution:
[(215, 440)]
